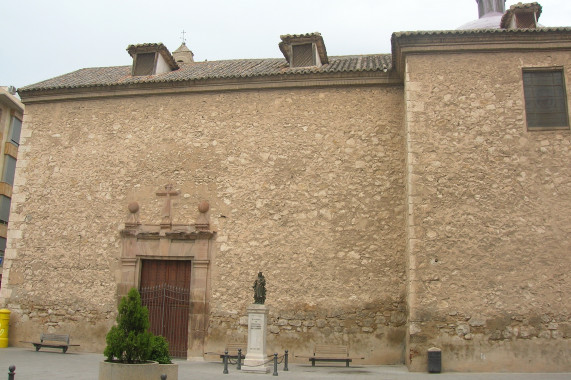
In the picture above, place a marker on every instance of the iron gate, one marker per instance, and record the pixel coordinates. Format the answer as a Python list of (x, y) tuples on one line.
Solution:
[(169, 309)]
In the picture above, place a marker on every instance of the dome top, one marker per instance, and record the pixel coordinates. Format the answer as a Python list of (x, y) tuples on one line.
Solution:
[(490, 14), (489, 21)]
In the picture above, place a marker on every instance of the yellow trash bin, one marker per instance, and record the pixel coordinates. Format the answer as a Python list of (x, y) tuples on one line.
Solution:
[(4, 321)]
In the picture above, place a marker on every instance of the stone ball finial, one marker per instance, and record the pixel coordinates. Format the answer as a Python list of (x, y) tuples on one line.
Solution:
[(133, 207), (203, 207)]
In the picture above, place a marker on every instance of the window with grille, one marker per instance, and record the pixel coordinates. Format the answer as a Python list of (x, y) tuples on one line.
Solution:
[(144, 64), (545, 99), (525, 20), (303, 55)]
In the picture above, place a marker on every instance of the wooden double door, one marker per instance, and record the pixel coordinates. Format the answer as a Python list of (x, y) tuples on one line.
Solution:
[(165, 291)]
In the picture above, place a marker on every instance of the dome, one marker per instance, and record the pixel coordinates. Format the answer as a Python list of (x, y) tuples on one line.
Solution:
[(490, 20)]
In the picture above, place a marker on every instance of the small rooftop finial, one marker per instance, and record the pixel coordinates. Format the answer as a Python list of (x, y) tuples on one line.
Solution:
[(183, 54)]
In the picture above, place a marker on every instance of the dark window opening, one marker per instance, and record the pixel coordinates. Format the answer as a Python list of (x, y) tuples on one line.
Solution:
[(9, 170), (2, 249), (303, 55), (4, 209), (525, 20), (15, 130), (144, 64), (545, 99)]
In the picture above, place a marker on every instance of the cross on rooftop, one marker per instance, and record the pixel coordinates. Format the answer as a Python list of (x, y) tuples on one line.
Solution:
[(183, 37)]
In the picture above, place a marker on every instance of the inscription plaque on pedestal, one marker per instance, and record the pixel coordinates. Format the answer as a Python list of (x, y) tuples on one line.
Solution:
[(257, 327)]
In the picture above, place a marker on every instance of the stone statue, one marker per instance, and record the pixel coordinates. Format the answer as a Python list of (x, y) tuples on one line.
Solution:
[(260, 289)]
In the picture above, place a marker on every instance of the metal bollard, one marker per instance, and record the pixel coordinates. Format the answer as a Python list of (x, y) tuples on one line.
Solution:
[(285, 361), (275, 364), (163, 377), (12, 372), (239, 366), (225, 362)]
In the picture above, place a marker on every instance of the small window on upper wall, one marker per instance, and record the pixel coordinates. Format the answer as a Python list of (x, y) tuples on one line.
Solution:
[(545, 99)]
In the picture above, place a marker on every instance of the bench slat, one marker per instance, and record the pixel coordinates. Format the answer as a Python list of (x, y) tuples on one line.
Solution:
[(330, 353), (53, 341), (322, 350)]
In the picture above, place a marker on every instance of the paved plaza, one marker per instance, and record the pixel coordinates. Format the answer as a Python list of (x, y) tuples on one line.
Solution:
[(52, 364)]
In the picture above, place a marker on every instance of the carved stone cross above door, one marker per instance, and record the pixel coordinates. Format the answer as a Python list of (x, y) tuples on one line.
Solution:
[(166, 218)]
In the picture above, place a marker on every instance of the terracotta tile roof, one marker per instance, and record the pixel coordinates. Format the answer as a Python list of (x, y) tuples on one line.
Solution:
[(533, 6), (228, 69), (448, 40), (479, 31)]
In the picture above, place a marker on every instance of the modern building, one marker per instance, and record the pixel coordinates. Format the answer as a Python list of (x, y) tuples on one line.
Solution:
[(11, 114), (394, 202)]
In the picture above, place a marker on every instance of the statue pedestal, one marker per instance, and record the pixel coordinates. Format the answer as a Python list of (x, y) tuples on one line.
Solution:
[(257, 330)]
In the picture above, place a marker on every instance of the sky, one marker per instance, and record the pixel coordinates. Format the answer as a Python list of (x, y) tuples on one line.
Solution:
[(42, 39)]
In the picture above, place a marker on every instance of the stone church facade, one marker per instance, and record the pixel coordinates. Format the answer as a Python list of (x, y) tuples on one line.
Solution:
[(394, 202)]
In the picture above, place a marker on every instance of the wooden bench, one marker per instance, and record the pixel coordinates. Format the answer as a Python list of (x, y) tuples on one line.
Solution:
[(53, 341), (233, 348), (330, 353)]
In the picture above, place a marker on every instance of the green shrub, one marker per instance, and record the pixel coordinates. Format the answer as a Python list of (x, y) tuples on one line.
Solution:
[(160, 350), (130, 341)]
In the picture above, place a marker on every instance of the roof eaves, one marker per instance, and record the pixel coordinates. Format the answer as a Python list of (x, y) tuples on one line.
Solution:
[(118, 76), (485, 38)]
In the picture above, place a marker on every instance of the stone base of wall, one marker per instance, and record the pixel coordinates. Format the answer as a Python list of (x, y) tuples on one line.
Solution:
[(481, 355), (376, 335), (88, 332), (498, 344)]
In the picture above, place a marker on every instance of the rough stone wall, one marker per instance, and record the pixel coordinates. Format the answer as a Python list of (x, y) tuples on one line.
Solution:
[(305, 185), (489, 207)]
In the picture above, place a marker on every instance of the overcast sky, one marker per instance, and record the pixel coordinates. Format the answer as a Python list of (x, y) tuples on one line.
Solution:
[(42, 39)]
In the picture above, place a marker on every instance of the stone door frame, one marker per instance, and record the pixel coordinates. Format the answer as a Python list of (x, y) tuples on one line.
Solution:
[(172, 242)]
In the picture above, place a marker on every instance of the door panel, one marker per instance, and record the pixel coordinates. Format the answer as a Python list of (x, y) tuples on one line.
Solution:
[(165, 291)]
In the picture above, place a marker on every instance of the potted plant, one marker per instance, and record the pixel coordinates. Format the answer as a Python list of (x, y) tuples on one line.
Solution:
[(132, 351)]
